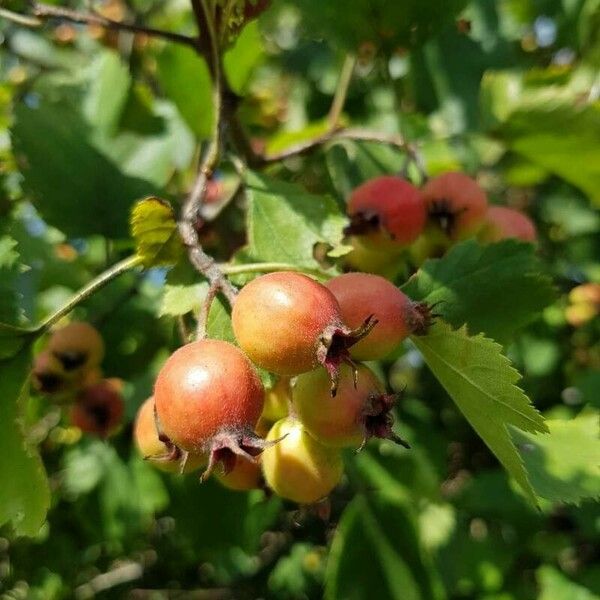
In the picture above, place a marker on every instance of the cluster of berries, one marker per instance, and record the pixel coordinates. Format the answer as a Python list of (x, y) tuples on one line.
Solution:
[(209, 407), (68, 371), (389, 215)]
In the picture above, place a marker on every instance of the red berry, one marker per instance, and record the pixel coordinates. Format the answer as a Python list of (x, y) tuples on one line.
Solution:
[(502, 222), (49, 376), (78, 345), (386, 212), (98, 409), (362, 294), (360, 410), (154, 450), (208, 400), (455, 203), (298, 467), (288, 323)]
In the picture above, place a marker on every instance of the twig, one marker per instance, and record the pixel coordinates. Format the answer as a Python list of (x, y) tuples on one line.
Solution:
[(47, 11), (91, 288), (362, 135), (18, 18), (270, 267), (184, 334), (341, 92), (201, 330), (191, 209), (125, 573)]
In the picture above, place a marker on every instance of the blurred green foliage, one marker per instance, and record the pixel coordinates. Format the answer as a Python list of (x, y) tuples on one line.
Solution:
[(92, 120)]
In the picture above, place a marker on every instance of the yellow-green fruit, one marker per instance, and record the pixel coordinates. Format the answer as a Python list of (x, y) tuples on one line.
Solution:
[(368, 260), (245, 475), (298, 467), (277, 399)]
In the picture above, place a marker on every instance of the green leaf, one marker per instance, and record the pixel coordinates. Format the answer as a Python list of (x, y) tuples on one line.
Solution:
[(184, 293), (154, 229), (564, 465), (494, 289), (404, 24), (555, 586), (482, 383), (382, 527), (350, 164), (549, 116), (105, 100), (186, 81), (285, 223), (75, 187), (24, 490), (9, 309), (241, 60)]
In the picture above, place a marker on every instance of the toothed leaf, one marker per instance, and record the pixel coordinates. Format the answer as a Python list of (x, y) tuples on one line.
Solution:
[(482, 383), (287, 224), (494, 289), (563, 465)]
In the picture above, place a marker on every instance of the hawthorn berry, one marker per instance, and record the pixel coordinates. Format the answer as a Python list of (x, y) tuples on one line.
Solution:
[(584, 304), (386, 212), (361, 409), (455, 203), (362, 294), (157, 452), (208, 400), (288, 323), (48, 375), (298, 467), (99, 408), (370, 260), (78, 345), (244, 475), (277, 400), (502, 222)]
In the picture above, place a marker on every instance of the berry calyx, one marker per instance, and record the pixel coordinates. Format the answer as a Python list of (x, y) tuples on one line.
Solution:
[(362, 294), (386, 211), (157, 452), (288, 323), (98, 409), (298, 467), (48, 375), (502, 222), (361, 410), (208, 400), (77, 346), (455, 203)]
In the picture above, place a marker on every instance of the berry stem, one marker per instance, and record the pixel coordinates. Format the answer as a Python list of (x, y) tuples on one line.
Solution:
[(271, 267), (91, 288)]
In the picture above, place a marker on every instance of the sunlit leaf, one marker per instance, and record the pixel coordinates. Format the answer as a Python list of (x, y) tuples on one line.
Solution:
[(494, 289), (154, 229), (482, 383), (24, 490), (564, 464)]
